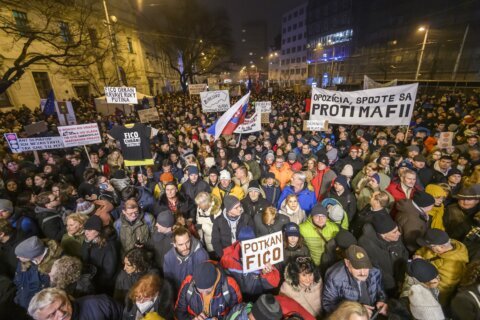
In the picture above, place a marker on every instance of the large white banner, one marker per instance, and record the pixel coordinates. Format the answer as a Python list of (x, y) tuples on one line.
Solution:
[(215, 101), (252, 124), (80, 135), (369, 83), (197, 88), (18, 145), (121, 95), (256, 253), (392, 106)]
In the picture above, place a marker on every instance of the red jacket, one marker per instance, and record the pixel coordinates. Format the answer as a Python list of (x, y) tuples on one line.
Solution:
[(395, 189), (252, 283), (291, 307)]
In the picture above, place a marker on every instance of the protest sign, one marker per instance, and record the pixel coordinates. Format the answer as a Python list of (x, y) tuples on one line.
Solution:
[(196, 88), (392, 106), (235, 91), (256, 253), (65, 110), (445, 140), (265, 118), (215, 101), (80, 135), (148, 115), (371, 84), (36, 128), (315, 125), (251, 124), (18, 145), (121, 95), (266, 106)]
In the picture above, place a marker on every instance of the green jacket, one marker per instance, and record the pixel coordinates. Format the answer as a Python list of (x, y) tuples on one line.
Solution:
[(130, 233), (316, 238), (72, 245)]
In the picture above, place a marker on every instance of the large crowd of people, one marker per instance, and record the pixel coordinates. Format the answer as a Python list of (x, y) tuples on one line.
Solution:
[(377, 222)]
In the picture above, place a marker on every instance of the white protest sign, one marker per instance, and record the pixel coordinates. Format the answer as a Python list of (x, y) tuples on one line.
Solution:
[(215, 101), (392, 106), (445, 140), (266, 106), (121, 95), (252, 124), (80, 135), (65, 110), (256, 253), (18, 145), (372, 84), (317, 125), (148, 115), (196, 88)]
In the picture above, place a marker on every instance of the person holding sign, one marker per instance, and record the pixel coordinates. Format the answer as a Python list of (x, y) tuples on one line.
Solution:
[(252, 284)]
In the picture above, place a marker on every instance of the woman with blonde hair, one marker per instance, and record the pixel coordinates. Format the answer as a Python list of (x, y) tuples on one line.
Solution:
[(269, 222), (71, 242), (350, 310), (114, 162), (150, 294), (208, 208), (291, 209)]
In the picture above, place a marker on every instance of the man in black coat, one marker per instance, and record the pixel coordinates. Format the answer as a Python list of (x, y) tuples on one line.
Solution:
[(9, 238), (381, 239), (161, 240), (226, 227), (49, 217), (175, 201), (194, 185), (254, 203)]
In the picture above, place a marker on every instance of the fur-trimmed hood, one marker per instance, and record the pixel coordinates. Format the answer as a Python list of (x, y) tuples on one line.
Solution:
[(54, 252)]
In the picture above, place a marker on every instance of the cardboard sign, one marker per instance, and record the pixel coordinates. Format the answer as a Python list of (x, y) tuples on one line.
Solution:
[(196, 88), (391, 106), (80, 135), (256, 253), (36, 128), (18, 145), (215, 101), (265, 118), (445, 140), (266, 106), (317, 125), (121, 95), (148, 115)]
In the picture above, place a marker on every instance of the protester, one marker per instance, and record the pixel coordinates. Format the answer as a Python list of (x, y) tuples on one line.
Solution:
[(67, 274)]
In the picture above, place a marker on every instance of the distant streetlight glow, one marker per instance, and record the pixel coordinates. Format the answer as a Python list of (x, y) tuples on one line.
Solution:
[(421, 29)]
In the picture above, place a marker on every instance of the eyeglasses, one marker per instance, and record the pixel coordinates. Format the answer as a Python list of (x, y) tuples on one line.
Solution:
[(303, 259)]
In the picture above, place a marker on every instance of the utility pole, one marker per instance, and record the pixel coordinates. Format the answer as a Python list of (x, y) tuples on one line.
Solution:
[(421, 52)]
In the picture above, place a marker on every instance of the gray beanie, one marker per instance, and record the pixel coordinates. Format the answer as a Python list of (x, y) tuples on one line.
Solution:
[(229, 202), (266, 308), (30, 248), (6, 205)]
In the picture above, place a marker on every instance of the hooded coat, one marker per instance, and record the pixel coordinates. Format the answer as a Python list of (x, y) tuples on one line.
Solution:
[(205, 220)]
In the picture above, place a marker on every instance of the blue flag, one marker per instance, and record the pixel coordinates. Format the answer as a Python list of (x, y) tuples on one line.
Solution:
[(49, 108)]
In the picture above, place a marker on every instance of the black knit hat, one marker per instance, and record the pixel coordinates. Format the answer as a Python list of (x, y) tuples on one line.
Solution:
[(433, 237), (322, 157), (266, 308), (423, 199), (253, 186), (345, 239), (318, 209), (422, 270), (205, 275), (229, 202), (93, 223), (383, 223)]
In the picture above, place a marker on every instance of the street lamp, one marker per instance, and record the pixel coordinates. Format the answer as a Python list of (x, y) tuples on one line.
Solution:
[(421, 29), (112, 41)]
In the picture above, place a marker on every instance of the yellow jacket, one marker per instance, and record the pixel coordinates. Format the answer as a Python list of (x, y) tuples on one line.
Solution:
[(235, 190), (450, 266), (436, 214)]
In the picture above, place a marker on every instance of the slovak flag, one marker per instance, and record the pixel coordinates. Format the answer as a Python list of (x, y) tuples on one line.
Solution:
[(231, 119)]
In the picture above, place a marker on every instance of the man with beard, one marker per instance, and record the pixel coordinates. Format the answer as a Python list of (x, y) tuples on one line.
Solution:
[(181, 260)]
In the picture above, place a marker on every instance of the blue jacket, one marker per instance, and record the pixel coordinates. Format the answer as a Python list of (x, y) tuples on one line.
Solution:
[(177, 268), (99, 307), (28, 283), (190, 303), (272, 193), (306, 198), (340, 286)]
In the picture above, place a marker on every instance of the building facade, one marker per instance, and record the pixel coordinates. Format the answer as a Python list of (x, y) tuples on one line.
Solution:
[(293, 54), (140, 64)]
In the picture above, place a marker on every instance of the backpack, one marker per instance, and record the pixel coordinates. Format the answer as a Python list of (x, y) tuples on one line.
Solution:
[(225, 291)]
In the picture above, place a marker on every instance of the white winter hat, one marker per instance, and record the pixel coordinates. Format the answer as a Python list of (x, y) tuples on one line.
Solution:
[(225, 175), (335, 213), (347, 170)]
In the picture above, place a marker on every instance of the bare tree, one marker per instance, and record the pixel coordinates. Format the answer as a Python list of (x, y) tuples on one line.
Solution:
[(40, 35), (196, 41)]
